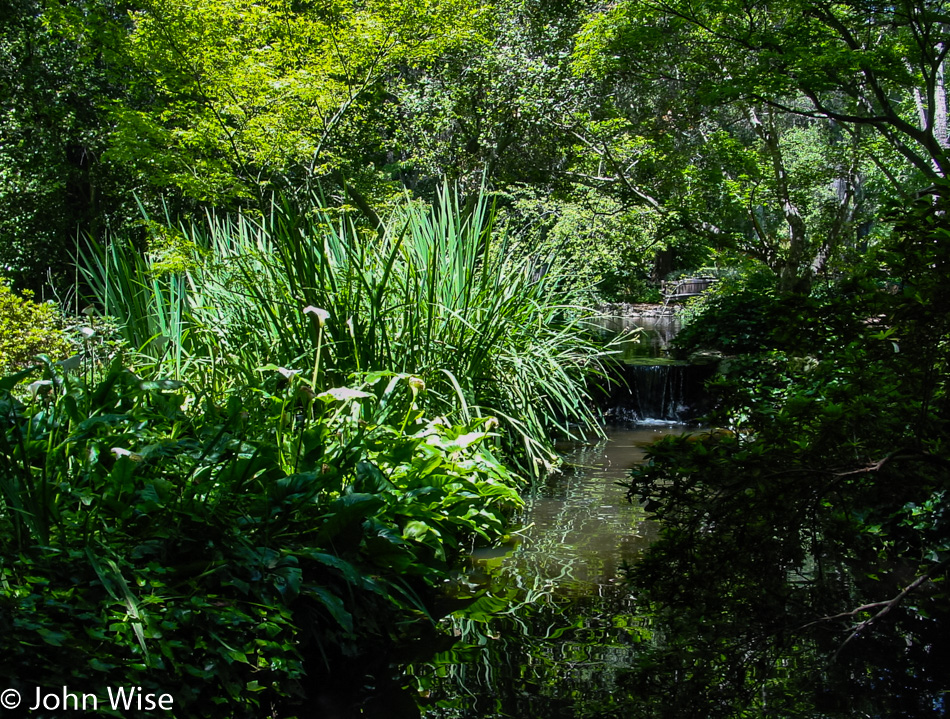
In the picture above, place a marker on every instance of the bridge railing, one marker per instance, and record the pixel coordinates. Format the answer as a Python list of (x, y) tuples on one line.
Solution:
[(686, 287)]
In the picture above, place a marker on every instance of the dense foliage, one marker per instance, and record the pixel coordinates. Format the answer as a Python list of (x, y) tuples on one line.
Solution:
[(252, 486), (291, 342), (665, 128), (489, 328), (802, 568), (28, 328), (253, 553)]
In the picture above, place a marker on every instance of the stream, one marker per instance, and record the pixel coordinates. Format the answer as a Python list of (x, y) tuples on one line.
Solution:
[(558, 628), (557, 632), (578, 527)]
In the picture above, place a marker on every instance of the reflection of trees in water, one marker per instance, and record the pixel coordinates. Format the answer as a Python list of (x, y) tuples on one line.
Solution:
[(580, 528), (556, 631), (653, 333), (546, 656), (727, 647), (759, 583), (734, 614), (735, 647)]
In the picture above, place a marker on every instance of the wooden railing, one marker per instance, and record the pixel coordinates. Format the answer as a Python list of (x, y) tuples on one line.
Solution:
[(686, 287)]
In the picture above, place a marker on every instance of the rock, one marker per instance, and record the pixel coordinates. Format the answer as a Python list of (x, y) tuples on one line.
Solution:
[(705, 357)]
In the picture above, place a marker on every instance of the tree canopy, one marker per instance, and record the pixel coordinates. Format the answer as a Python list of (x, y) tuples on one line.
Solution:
[(769, 130)]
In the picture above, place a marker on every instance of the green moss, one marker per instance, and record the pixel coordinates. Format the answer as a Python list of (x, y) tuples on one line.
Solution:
[(652, 361)]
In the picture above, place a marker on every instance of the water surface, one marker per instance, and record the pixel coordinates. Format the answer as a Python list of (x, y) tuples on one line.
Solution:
[(654, 333), (578, 527), (557, 628)]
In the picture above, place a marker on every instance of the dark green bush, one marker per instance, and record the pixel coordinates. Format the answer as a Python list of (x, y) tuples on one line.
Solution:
[(758, 319), (802, 565)]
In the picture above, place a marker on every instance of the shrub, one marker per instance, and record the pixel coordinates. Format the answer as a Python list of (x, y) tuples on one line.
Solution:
[(753, 320), (27, 329)]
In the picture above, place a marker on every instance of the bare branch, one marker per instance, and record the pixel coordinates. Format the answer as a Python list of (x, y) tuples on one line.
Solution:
[(891, 603)]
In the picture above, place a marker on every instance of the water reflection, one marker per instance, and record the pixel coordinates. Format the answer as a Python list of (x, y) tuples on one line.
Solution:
[(557, 630), (579, 528), (554, 658), (654, 336)]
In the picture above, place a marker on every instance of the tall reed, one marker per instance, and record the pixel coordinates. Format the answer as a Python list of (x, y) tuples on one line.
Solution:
[(439, 294)]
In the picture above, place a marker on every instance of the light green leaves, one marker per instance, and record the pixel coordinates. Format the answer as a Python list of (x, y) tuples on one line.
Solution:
[(250, 91)]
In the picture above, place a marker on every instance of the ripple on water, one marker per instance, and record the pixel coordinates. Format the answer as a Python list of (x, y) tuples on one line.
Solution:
[(558, 627), (579, 528)]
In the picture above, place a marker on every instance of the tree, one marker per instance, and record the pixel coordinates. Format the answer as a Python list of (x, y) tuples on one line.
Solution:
[(789, 189), (804, 555), (859, 63), (790, 192), (58, 80), (486, 110), (253, 97)]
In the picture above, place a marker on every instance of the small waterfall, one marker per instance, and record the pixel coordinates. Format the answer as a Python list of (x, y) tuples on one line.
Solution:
[(659, 393), (648, 386)]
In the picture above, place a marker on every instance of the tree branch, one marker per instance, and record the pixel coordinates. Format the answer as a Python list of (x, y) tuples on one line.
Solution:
[(891, 603)]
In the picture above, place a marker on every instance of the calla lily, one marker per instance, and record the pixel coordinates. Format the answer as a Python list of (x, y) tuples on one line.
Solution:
[(39, 385), (344, 393), (122, 452), (70, 363), (321, 315)]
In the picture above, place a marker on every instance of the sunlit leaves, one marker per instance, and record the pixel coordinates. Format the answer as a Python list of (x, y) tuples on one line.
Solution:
[(248, 90), (179, 544), (872, 65)]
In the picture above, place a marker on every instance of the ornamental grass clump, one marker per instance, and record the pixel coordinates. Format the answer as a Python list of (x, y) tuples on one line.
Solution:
[(439, 293)]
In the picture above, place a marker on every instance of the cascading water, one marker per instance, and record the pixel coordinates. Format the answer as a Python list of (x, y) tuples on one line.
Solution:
[(661, 392), (651, 388)]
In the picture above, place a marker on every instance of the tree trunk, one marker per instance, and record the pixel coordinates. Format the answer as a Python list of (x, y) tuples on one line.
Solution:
[(793, 270), (940, 108)]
